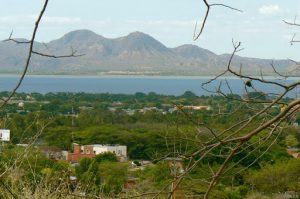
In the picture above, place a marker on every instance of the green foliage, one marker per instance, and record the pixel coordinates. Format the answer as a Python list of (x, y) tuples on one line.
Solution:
[(189, 95), (106, 157), (114, 176), (255, 95), (137, 163), (291, 141), (104, 119), (60, 136), (233, 194), (101, 175), (88, 173), (279, 177), (257, 195), (31, 171), (159, 174)]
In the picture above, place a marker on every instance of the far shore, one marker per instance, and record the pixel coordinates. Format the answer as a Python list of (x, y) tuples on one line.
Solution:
[(171, 76)]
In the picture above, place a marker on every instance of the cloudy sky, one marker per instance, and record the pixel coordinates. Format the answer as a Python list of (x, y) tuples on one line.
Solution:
[(259, 27)]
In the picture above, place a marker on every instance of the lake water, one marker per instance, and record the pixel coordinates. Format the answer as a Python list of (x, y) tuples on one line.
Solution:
[(171, 85)]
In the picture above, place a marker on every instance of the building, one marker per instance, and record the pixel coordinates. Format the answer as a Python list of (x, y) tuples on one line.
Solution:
[(118, 150), (131, 183), (293, 152), (90, 151), (206, 108), (4, 135), (195, 108), (53, 153)]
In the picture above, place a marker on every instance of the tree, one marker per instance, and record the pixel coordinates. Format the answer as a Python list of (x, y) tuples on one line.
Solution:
[(279, 177), (106, 157), (88, 173), (291, 141), (114, 176)]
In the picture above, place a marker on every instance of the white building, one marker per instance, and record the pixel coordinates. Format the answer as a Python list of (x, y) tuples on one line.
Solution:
[(119, 150), (5, 135), (90, 151)]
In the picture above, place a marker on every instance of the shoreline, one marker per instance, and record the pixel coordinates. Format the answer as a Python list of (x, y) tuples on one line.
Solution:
[(79, 76)]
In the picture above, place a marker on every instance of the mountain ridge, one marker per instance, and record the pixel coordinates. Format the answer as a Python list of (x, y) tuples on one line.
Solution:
[(135, 53)]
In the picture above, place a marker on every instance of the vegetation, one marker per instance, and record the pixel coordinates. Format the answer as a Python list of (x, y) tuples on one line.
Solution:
[(152, 127)]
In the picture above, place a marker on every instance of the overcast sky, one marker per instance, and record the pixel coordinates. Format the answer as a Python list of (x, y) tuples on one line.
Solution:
[(259, 27)]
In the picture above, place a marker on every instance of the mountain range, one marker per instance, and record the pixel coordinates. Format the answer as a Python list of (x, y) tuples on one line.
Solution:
[(136, 53)]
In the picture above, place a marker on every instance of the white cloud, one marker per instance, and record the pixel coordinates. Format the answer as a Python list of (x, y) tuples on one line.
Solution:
[(30, 19), (270, 10), (161, 23), (16, 19), (61, 20)]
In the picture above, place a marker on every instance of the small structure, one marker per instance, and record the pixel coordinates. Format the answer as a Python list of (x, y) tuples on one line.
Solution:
[(129, 112), (90, 151), (4, 135), (290, 151), (293, 152), (206, 108), (130, 183), (21, 104), (194, 108), (147, 109), (53, 153)]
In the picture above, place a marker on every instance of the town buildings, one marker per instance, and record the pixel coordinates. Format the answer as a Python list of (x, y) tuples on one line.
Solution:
[(90, 151)]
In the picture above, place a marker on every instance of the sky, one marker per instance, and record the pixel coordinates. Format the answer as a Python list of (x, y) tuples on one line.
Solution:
[(259, 27)]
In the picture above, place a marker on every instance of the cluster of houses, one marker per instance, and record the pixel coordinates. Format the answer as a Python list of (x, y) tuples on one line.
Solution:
[(85, 151), (90, 151), (163, 111)]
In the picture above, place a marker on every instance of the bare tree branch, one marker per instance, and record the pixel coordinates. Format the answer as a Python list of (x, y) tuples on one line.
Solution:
[(73, 54), (31, 43), (208, 7)]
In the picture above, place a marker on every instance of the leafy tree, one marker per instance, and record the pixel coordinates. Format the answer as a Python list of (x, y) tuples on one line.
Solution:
[(291, 141), (106, 157), (88, 173), (189, 95), (279, 177), (113, 177)]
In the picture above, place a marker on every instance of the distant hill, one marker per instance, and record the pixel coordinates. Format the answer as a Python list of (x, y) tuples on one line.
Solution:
[(136, 53)]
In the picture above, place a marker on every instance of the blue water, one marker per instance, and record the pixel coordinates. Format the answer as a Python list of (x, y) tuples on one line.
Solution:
[(125, 84)]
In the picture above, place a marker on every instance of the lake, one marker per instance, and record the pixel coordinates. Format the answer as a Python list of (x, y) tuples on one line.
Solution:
[(167, 85)]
